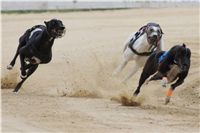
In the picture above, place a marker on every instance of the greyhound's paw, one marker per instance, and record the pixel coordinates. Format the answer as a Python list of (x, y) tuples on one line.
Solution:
[(27, 60), (164, 85), (15, 92), (164, 82), (23, 76), (167, 100), (9, 67)]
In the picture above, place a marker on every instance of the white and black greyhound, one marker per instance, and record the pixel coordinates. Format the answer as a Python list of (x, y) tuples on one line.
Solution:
[(139, 46)]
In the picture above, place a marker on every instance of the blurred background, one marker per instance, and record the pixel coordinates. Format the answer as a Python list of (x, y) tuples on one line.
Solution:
[(16, 5)]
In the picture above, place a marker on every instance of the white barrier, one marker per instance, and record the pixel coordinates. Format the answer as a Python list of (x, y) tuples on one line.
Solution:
[(64, 5)]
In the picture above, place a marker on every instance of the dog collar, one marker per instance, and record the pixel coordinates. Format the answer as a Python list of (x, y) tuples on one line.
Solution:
[(164, 55), (161, 58)]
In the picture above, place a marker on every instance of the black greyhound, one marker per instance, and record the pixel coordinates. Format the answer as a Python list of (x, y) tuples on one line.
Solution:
[(162, 63), (35, 47)]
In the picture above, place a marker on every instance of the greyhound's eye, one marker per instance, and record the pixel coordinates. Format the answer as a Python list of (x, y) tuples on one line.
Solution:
[(151, 29)]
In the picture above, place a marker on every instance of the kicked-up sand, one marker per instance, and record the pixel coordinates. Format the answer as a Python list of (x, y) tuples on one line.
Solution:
[(76, 92)]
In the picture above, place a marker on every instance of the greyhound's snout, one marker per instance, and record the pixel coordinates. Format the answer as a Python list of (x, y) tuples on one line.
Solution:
[(155, 36)]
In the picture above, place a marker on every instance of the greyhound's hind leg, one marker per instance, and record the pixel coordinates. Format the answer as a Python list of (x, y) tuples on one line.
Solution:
[(128, 55), (120, 67), (31, 70), (134, 70), (12, 63), (23, 70)]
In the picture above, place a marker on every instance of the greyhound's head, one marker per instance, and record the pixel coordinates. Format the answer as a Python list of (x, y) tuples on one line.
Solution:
[(182, 57), (55, 28), (154, 32)]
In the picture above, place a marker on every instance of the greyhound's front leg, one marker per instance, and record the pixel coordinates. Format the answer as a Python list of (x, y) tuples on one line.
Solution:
[(170, 91)]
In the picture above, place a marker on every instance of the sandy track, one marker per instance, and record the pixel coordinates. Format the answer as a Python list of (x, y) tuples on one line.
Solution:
[(73, 93)]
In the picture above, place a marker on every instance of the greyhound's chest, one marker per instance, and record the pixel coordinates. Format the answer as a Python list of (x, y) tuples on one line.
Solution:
[(46, 46), (141, 44)]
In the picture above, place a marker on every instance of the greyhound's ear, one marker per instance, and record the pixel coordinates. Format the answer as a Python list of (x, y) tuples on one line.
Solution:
[(46, 23), (184, 45), (161, 31), (188, 53)]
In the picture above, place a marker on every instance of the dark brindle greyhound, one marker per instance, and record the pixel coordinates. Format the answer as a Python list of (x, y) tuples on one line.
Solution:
[(162, 63), (35, 47)]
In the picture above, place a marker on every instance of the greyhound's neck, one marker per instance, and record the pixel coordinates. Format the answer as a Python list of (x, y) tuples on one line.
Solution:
[(48, 37)]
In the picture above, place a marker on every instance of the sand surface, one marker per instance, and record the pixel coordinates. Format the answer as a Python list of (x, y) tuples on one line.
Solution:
[(76, 92)]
